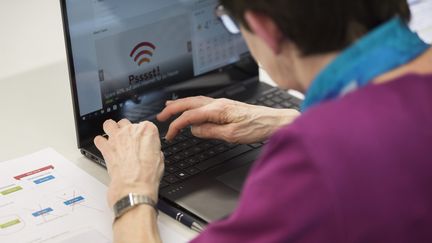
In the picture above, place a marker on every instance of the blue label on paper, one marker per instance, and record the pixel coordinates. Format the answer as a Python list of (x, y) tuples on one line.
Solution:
[(42, 212), (73, 201), (45, 179)]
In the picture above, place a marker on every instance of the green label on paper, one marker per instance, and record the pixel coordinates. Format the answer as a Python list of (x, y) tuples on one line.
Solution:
[(11, 190), (10, 223)]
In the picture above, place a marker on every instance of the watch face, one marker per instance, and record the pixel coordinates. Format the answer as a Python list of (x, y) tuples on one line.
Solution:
[(121, 205), (124, 202)]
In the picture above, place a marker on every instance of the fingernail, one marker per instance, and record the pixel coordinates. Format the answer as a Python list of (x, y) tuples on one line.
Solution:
[(196, 130)]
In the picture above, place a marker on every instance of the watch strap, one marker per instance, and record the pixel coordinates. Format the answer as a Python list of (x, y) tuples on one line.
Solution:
[(131, 201)]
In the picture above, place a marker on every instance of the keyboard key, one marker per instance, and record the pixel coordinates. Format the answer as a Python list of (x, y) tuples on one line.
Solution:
[(201, 157), (210, 153), (192, 161), (269, 103), (206, 146), (192, 170), (231, 145), (180, 138), (215, 142), (277, 99), (285, 96), (164, 143), (184, 145), (256, 145), (279, 92), (171, 179), (221, 148), (223, 157), (269, 96), (168, 161), (187, 133), (183, 164), (171, 169), (196, 150), (177, 157), (187, 153), (163, 184), (182, 175), (167, 153), (287, 104), (195, 140), (174, 149)]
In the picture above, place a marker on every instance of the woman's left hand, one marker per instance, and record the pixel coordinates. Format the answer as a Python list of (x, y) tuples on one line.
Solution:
[(133, 157)]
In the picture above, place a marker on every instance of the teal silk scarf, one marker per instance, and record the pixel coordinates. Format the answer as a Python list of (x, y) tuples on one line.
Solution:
[(389, 46)]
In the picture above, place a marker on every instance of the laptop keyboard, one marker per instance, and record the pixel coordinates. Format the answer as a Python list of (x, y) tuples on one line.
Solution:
[(276, 98), (187, 155)]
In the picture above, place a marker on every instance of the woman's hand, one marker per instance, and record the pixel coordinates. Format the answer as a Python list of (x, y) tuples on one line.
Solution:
[(224, 119), (134, 159)]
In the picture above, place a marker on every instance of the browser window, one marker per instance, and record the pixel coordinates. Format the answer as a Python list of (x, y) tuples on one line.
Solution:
[(122, 48)]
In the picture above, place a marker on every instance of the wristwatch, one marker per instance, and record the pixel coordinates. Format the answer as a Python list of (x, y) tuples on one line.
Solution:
[(131, 201)]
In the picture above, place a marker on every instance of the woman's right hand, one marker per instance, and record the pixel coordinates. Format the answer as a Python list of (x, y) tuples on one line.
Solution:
[(225, 119)]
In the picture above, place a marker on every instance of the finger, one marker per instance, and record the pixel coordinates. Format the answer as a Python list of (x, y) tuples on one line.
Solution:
[(149, 128), (110, 127), (212, 131), (104, 147), (101, 143), (182, 105), (124, 123), (191, 117), (141, 128), (174, 107)]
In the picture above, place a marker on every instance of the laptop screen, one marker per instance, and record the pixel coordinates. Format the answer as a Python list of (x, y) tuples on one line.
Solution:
[(125, 54)]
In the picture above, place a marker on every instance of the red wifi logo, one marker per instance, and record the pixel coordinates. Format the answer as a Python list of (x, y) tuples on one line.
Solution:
[(142, 52)]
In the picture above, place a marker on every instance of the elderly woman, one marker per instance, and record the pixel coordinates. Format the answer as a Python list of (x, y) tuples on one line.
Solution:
[(356, 166)]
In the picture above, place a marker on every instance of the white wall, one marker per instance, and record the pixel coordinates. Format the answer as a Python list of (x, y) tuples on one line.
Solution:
[(31, 35)]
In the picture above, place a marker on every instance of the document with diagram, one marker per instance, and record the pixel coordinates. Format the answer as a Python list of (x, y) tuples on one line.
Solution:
[(45, 198)]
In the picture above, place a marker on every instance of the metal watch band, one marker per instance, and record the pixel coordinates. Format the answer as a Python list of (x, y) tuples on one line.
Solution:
[(131, 201)]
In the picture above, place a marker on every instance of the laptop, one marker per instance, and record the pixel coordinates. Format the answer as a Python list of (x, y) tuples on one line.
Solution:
[(128, 57)]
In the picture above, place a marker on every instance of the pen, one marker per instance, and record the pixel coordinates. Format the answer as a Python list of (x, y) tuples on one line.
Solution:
[(180, 216)]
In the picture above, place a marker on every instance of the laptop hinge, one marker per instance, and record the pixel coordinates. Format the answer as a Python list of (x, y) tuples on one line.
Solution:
[(235, 90), (241, 87)]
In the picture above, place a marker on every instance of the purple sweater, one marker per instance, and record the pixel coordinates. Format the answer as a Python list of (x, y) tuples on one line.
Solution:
[(356, 169)]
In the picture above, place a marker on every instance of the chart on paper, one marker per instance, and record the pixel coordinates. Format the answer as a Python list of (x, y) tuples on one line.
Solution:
[(44, 198)]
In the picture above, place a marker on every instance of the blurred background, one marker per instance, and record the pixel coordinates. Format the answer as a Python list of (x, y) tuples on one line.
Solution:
[(31, 34)]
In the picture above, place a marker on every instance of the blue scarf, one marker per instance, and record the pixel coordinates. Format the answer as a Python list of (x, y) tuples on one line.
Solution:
[(389, 46)]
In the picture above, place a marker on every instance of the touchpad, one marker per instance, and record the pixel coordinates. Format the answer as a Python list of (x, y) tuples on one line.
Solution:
[(235, 178)]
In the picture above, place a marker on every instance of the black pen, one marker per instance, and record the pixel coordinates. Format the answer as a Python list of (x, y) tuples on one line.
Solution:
[(180, 216)]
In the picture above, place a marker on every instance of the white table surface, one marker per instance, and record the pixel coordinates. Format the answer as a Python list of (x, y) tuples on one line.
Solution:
[(35, 99)]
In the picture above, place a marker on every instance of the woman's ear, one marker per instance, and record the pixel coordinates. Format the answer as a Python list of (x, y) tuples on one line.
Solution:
[(266, 29)]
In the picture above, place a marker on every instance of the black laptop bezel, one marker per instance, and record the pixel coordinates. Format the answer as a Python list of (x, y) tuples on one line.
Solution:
[(96, 124), (71, 69)]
